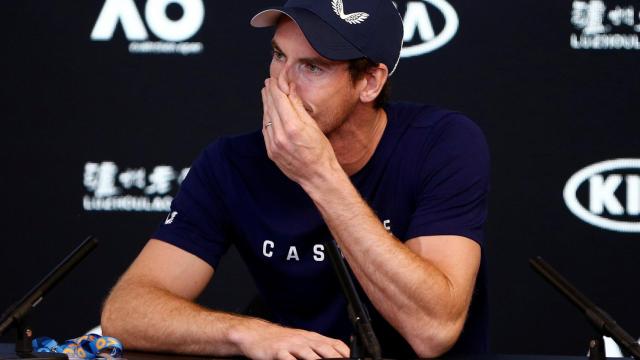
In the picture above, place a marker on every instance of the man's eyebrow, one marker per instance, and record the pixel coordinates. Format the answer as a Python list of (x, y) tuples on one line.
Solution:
[(275, 46), (315, 59), (319, 60)]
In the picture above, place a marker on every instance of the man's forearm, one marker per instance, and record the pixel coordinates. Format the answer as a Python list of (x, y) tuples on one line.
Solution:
[(151, 308), (152, 319), (411, 293)]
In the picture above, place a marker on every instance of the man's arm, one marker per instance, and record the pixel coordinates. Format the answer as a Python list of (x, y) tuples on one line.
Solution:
[(151, 308), (422, 288)]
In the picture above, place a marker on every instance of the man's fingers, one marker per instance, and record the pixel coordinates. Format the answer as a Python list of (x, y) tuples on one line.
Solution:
[(328, 351), (265, 114), (290, 344), (306, 353), (267, 122), (284, 355), (282, 105), (295, 99), (282, 84), (298, 106), (275, 102), (277, 130), (272, 112), (342, 349), (268, 142), (329, 347), (268, 100)]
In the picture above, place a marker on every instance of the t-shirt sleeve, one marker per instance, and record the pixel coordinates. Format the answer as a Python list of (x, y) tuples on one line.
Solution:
[(199, 221), (453, 185)]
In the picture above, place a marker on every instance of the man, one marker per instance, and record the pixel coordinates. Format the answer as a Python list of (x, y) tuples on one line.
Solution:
[(401, 188)]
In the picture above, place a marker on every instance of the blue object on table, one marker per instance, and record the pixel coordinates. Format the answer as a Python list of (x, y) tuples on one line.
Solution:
[(88, 346)]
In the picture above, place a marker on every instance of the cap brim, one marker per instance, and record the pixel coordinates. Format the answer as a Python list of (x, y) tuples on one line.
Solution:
[(322, 37)]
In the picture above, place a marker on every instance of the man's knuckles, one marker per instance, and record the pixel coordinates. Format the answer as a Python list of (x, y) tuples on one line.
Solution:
[(279, 143), (282, 353), (293, 132)]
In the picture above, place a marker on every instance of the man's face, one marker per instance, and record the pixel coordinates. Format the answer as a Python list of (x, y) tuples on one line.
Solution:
[(325, 86)]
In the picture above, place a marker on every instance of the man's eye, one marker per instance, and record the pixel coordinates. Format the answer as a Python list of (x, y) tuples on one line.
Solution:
[(278, 55), (313, 68)]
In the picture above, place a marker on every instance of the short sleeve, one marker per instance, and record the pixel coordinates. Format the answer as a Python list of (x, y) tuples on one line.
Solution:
[(452, 196), (198, 222)]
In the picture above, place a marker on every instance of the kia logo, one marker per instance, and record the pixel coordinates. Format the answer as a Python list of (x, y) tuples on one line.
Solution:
[(608, 207), (418, 25)]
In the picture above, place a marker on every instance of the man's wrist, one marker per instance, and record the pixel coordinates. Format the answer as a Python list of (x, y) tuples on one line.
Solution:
[(239, 333), (327, 184)]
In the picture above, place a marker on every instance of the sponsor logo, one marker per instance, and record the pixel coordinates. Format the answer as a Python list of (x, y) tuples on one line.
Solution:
[(387, 226), (610, 191), (132, 189), (428, 25), (172, 33), (602, 27), (352, 18), (269, 249), (170, 218)]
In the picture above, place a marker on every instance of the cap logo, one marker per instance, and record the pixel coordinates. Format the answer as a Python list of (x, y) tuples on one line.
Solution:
[(353, 18)]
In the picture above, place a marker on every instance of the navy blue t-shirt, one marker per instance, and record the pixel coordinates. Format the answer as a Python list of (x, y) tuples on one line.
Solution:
[(428, 176)]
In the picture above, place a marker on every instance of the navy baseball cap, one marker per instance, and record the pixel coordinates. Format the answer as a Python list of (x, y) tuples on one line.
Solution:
[(344, 29)]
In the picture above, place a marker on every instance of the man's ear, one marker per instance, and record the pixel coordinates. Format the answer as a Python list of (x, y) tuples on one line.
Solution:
[(374, 79)]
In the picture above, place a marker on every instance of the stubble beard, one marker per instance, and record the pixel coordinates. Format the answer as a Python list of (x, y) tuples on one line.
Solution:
[(334, 121)]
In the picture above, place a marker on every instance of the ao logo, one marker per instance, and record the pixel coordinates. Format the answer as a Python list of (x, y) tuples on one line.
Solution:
[(602, 194), (155, 13), (417, 19)]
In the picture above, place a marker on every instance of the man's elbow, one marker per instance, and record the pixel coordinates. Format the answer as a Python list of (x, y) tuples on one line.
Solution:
[(118, 312), (436, 342), (108, 318)]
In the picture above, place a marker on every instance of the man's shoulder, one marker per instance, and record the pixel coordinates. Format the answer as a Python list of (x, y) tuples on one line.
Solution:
[(424, 115), (432, 121), (243, 145), (226, 152)]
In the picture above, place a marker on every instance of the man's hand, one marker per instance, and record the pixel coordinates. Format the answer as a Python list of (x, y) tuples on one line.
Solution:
[(292, 137), (266, 341)]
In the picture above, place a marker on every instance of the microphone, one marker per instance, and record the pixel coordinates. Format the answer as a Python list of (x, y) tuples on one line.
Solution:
[(364, 343), (17, 313), (601, 321)]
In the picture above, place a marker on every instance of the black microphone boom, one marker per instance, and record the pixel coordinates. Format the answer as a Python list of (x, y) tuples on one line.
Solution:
[(603, 322), (16, 314), (360, 319)]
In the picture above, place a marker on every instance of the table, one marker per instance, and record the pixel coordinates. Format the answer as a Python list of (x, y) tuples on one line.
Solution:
[(7, 349)]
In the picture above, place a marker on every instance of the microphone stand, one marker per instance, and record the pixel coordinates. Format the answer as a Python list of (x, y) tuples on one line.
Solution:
[(17, 314), (364, 343), (603, 323)]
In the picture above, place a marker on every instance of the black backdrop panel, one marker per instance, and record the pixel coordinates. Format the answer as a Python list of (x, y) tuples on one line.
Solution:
[(102, 122)]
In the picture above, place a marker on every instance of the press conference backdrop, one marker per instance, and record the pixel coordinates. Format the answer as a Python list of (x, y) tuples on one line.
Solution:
[(107, 102)]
